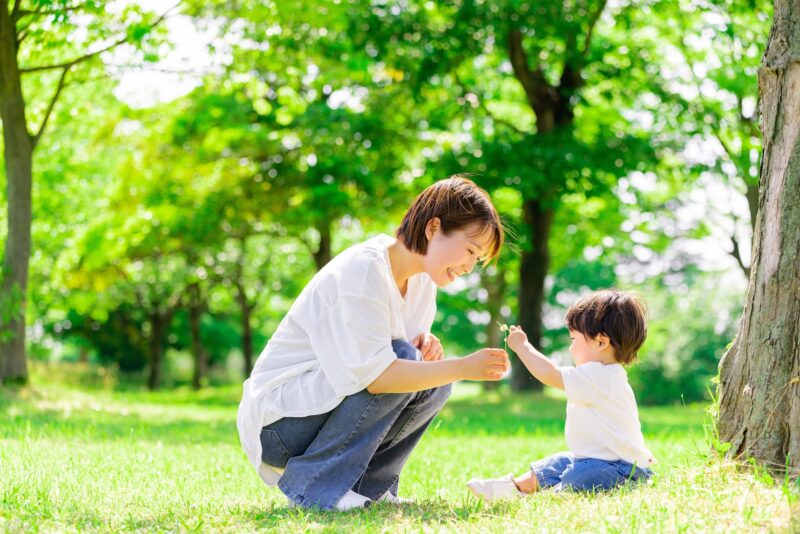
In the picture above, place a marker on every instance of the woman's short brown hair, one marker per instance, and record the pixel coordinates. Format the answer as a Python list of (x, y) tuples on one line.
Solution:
[(620, 315), (458, 202)]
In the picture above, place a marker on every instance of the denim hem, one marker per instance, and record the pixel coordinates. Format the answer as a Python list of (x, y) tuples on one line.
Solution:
[(299, 500), (343, 447)]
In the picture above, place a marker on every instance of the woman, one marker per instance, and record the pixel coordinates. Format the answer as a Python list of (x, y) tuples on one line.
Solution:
[(339, 397)]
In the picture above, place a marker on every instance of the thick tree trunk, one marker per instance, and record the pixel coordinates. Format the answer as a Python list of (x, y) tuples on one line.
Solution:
[(18, 151), (323, 253), (533, 271), (196, 309), (496, 286), (759, 390), (553, 108)]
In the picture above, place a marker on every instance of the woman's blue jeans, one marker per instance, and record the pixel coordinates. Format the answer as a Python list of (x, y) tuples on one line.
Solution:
[(362, 444)]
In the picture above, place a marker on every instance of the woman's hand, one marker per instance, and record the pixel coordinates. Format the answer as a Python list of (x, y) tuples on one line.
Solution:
[(486, 364), (430, 347), (516, 339)]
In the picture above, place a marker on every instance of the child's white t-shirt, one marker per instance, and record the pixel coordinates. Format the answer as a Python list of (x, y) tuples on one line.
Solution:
[(335, 340), (602, 417)]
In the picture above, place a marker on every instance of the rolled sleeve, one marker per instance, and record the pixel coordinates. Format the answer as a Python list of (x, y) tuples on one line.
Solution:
[(353, 343)]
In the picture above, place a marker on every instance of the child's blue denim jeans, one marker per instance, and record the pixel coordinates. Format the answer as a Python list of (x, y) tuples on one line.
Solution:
[(362, 444), (563, 471)]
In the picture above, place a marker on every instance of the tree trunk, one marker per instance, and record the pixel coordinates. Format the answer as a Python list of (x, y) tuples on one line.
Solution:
[(157, 328), (247, 340), (495, 284), (759, 392), (533, 271), (323, 253), (18, 151), (551, 104), (196, 310)]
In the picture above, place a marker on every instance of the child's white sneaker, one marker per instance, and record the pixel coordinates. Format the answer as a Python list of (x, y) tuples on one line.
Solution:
[(492, 489)]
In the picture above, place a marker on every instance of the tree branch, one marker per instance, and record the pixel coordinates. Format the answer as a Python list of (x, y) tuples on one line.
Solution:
[(59, 87), (20, 13), (587, 41), (15, 10), (736, 253), (72, 63), (533, 82), (81, 59), (485, 108)]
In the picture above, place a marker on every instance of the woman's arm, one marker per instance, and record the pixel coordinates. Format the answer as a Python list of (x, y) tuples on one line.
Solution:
[(405, 376)]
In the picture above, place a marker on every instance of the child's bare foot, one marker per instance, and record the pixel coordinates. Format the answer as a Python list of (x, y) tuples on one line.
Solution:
[(527, 483)]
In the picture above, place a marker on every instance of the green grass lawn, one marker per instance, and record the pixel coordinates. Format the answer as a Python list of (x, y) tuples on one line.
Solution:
[(78, 455)]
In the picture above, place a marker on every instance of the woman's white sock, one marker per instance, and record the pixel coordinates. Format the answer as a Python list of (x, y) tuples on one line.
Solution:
[(351, 500)]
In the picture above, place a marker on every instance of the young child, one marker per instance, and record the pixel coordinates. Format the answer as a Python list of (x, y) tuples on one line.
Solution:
[(602, 428)]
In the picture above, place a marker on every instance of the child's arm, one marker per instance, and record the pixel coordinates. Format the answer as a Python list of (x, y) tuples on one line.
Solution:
[(537, 363)]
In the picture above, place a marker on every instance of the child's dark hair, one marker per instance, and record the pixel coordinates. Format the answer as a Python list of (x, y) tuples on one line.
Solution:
[(458, 202), (620, 315)]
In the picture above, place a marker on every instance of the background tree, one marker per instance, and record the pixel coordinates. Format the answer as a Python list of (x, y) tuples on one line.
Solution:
[(48, 31), (759, 412)]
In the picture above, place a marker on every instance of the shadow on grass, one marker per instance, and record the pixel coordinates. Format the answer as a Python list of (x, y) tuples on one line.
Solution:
[(380, 515)]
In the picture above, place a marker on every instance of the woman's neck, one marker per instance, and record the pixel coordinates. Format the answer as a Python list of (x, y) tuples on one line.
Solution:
[(404, 263)]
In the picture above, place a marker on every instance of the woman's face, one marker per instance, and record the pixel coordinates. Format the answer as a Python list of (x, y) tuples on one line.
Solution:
[(450, 256)]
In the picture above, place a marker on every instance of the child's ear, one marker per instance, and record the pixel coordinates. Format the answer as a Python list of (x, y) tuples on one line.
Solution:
[(603, 341)]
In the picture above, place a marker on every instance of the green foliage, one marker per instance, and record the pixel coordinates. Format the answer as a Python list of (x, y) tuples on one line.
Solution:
[(692, 320), (327, 122)]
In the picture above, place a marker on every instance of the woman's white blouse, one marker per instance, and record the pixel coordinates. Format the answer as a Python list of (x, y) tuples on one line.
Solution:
[(334, 341)]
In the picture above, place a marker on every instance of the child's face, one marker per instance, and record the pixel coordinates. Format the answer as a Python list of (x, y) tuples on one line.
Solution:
[(583, 348), (448, 257)]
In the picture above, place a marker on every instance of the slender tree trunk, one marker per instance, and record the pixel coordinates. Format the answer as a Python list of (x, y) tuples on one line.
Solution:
[(759, 390), (18, 151), (247, 339), (157, 329), (752, 204), (196, 309), (533, 271)]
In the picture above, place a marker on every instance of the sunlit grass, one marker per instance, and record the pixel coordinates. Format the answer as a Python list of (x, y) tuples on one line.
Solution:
[(111, 460)]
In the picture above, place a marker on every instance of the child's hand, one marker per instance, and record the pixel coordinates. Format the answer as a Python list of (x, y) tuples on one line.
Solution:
[(430, 347), (486, 364), (516, 338)]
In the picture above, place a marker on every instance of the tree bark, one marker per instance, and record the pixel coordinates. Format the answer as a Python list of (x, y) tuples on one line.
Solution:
[(496, 286), (551, 104), (323, 253), (160, 320), (157, 328), (533, 271), (247, 340), (759, 392), (18, 151), (196, 309)]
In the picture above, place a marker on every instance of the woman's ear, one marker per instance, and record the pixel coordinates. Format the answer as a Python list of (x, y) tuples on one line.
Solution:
[(433, 226)]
